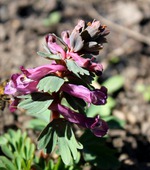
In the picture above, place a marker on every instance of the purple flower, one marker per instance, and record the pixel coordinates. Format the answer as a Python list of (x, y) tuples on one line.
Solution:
[(41, 71), (53, 46), (98, 126), (82, 62), (84, 39), (20, 85), (87, 63), (97, 96), (69, 53)]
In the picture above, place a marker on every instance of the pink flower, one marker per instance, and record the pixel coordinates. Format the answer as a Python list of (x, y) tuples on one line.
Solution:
[(97, 68), (41, 71), (73, 47), (97, 96), (98, 126), (53, 46), (20, 85), (87, 63), (17, 86)]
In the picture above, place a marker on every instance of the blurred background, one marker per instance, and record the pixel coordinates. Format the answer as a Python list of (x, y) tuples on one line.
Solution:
[(126, 59)]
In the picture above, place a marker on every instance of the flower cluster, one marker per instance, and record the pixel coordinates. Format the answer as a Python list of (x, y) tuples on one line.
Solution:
[(72, 62)]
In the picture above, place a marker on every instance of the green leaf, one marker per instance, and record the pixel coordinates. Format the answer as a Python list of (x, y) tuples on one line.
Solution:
[(98, 153), (59, 132), (72, 143), (7, 151), (18, 161), (68, 144), (36, 103), (19, 149), (49, 56), (37, 124), (77, 70), (64, 150), (2, 168), (28, 149), (114, 83), (53, 145), (44, 116), (45, 137), (72, 148), (52, 19), (48, 139), (7, 163), (31, 150), (3, 140), (50, 84), (73, 140)]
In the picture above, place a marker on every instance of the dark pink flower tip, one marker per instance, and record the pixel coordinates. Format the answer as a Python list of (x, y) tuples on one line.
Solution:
[(97, 68), (53, 46), (97, 96), (99, 127), (65, 36), (41, 71)]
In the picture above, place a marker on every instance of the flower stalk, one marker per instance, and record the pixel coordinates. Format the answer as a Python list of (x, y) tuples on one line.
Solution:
[(69, 76)]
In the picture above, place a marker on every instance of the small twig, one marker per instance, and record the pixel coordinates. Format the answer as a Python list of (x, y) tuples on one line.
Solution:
[(133, 34)]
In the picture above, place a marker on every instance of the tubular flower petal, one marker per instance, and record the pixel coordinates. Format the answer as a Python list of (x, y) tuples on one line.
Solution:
[(97, 96), (87, 63), (53, 46), (98, 126), (41, 71), (82, 62)]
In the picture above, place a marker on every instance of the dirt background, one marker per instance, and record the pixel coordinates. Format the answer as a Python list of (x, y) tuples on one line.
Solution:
[(22, 32)]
